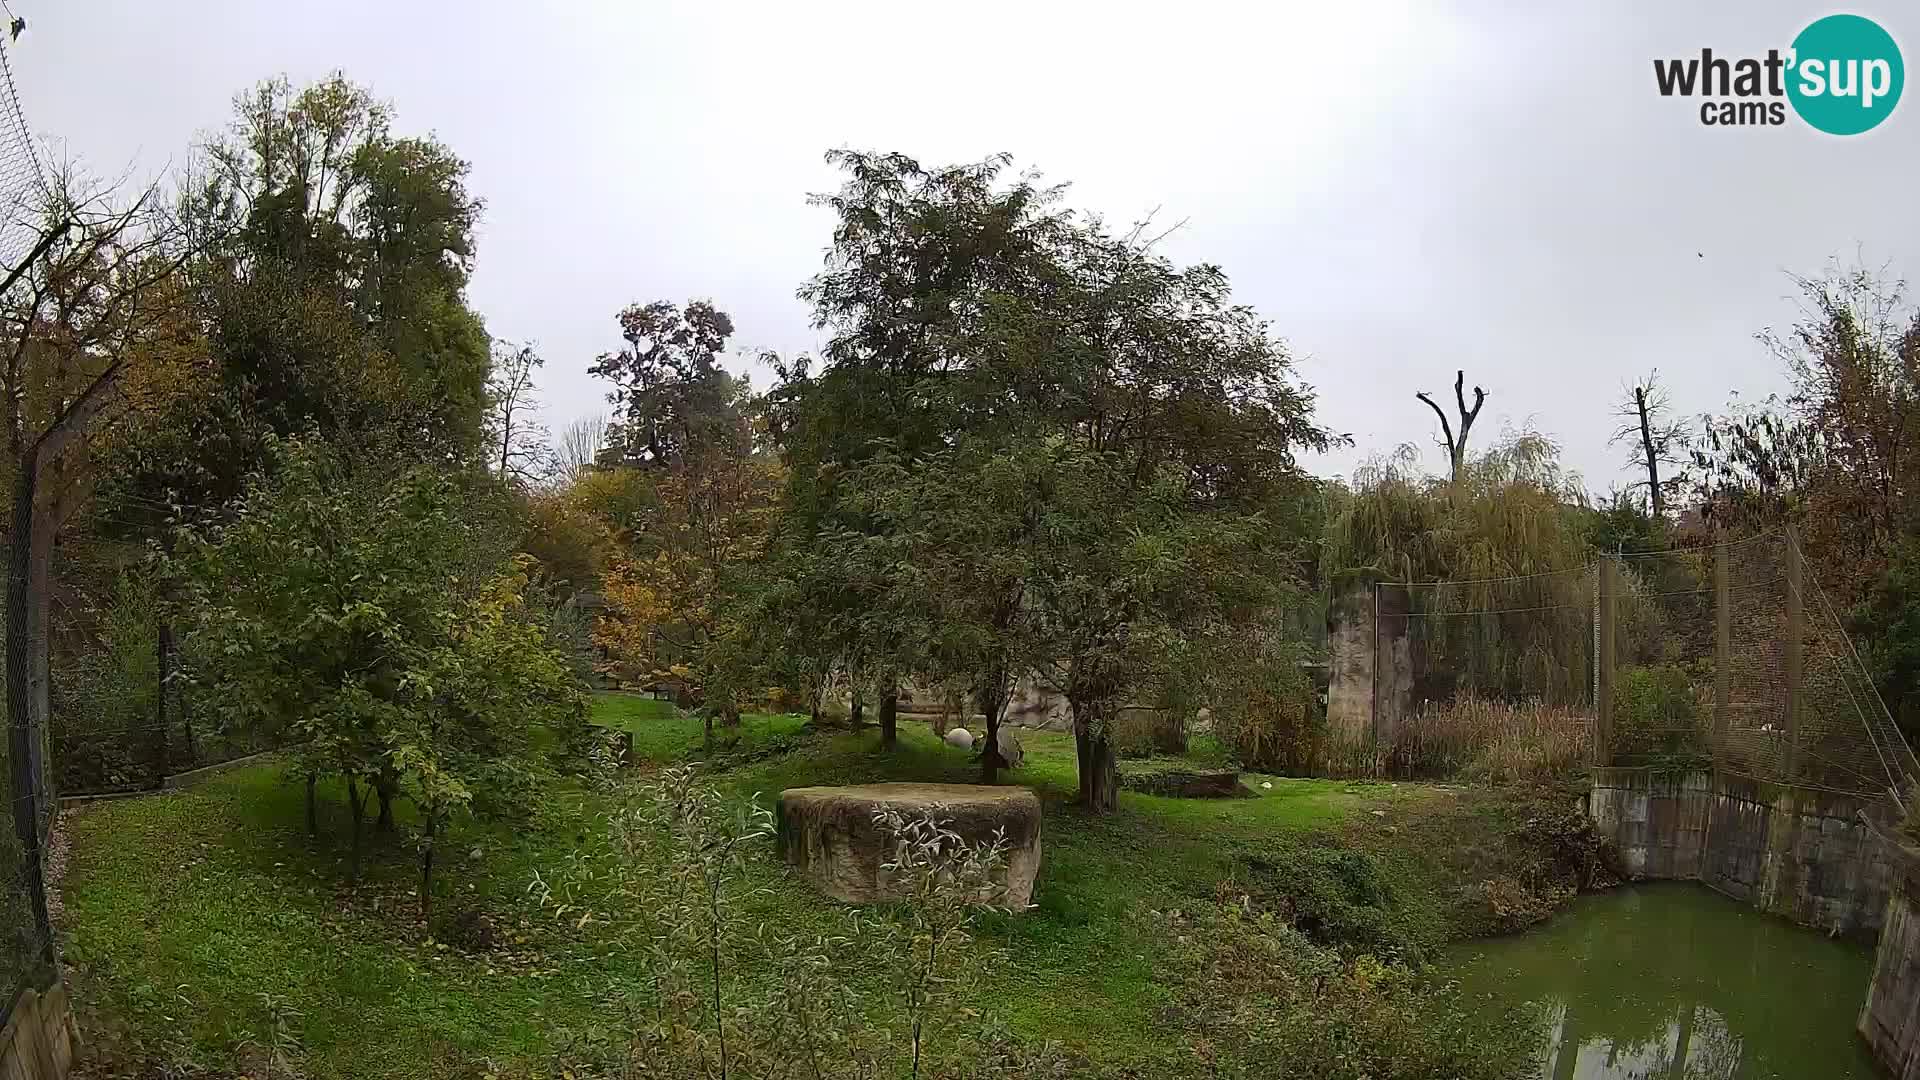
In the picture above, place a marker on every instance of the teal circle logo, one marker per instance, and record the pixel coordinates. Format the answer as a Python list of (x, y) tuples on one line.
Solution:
[(1845, 74)]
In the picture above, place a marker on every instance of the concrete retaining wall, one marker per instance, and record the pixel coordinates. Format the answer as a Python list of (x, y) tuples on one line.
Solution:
[(1890, 1019), (1805, 855), (37, 1043)]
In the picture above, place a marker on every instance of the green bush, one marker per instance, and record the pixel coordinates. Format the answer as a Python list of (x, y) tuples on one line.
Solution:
[(1338, 898), (1658, 719), (1268, 1001)]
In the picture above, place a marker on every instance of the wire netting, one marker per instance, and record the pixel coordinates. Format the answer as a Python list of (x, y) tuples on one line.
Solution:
[(28, 959), (1724, 656), (20, 175), (1498, 675)]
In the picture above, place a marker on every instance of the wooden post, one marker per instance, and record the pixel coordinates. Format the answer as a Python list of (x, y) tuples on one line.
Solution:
[(1796, 638), (1603, 698), (1722, 639)]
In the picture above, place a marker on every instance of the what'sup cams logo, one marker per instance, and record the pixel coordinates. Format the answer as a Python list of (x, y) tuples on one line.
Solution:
[(1842, 75)]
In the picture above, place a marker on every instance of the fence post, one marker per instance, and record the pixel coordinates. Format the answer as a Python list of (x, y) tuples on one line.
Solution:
[(1722, 639), (1373, 698), (1796, 640), (1603, 697)]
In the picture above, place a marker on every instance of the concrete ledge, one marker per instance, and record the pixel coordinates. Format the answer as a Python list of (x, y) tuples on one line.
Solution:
[(37, 1043), (179, 780)]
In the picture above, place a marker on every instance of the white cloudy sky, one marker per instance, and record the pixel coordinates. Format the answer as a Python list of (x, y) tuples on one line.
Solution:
[(1402, 189)]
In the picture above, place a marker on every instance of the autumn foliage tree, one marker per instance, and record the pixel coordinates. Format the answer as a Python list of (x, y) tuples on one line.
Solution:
[(698, 508)]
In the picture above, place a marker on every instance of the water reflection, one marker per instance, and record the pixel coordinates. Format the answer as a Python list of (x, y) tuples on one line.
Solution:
[(1672, 982)]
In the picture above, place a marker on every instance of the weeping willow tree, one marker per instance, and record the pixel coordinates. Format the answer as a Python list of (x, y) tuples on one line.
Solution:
[(1500, 591)]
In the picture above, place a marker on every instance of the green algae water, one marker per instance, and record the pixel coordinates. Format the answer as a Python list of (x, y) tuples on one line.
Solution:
[(1661, 982)]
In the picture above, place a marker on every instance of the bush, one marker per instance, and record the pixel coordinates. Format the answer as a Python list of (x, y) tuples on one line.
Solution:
[(1269, 1001), (1275, 722), (724, 996), (1338, 898), (1658, 718)]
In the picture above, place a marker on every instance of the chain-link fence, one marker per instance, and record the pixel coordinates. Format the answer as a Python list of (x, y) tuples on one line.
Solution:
[(1725, 656), (1497, 675), (28, 960)]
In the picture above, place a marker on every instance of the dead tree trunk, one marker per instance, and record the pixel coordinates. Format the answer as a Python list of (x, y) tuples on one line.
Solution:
[(1457, 446), (1659, 500)]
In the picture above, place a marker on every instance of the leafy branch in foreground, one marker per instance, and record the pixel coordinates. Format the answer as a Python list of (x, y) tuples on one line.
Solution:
[(722, 996)]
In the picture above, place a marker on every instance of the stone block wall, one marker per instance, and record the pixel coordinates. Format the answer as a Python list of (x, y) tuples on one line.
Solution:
[(37, 1043), (1805, 855), (1890, 1019)]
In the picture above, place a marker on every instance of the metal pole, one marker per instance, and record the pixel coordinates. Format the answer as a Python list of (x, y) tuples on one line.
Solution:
[(1603, 703), (1373, 698), (1722, 639), (1795, 643)]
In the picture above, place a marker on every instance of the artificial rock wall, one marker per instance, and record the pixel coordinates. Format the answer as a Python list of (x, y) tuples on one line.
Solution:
[(1808, 856)]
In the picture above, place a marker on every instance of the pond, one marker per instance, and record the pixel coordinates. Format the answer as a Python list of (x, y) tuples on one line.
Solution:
[(1674, 980)]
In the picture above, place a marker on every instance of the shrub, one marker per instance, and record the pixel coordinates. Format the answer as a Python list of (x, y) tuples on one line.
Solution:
[(723, 996), (1338, 898), (1658, 719), (1266, 1000)]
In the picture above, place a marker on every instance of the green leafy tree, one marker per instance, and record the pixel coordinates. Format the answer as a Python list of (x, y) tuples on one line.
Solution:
[(364, 615)]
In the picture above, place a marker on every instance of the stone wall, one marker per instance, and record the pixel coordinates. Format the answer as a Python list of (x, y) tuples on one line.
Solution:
[(37, 1043), (1805, 855), (1369, 675), (1890, 1019)]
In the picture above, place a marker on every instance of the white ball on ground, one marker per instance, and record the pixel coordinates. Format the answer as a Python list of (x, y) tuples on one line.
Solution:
[(960, 737)]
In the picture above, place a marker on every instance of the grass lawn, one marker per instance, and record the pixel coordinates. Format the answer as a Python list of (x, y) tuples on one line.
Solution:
[(200, 925)]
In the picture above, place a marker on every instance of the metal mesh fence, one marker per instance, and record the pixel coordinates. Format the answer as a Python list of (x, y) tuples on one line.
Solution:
[(20, 176), (1726, 656), (1491, 676), (28, 957)]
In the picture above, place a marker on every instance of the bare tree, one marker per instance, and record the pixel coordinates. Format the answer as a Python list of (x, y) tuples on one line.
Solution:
[(101, 281), (1457, 447), (1646, 425), (520, 451), (580, 446)]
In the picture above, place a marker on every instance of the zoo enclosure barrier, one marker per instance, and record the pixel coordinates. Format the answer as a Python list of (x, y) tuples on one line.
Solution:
[(1728, 656)]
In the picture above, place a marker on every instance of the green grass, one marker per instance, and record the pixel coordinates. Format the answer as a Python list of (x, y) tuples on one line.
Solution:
[(183, 909), (663, 733)]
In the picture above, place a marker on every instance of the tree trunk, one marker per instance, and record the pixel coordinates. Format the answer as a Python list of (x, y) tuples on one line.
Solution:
[(706, 723), (359, 822), (162, 662), (889, 706), (854, 713), (1658, 503), (386, 787), (1098, 767), (426, 873), (993, 699), (313, 812)]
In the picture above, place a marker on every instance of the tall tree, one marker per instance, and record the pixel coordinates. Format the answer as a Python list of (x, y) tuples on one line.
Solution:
[(673, 398), (686, 430), (516, 439), (1456, 445), (579, 446), (310, 192), (1657, 439)]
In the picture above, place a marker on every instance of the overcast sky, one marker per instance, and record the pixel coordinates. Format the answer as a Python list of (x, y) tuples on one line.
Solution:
[(1402, 190)]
